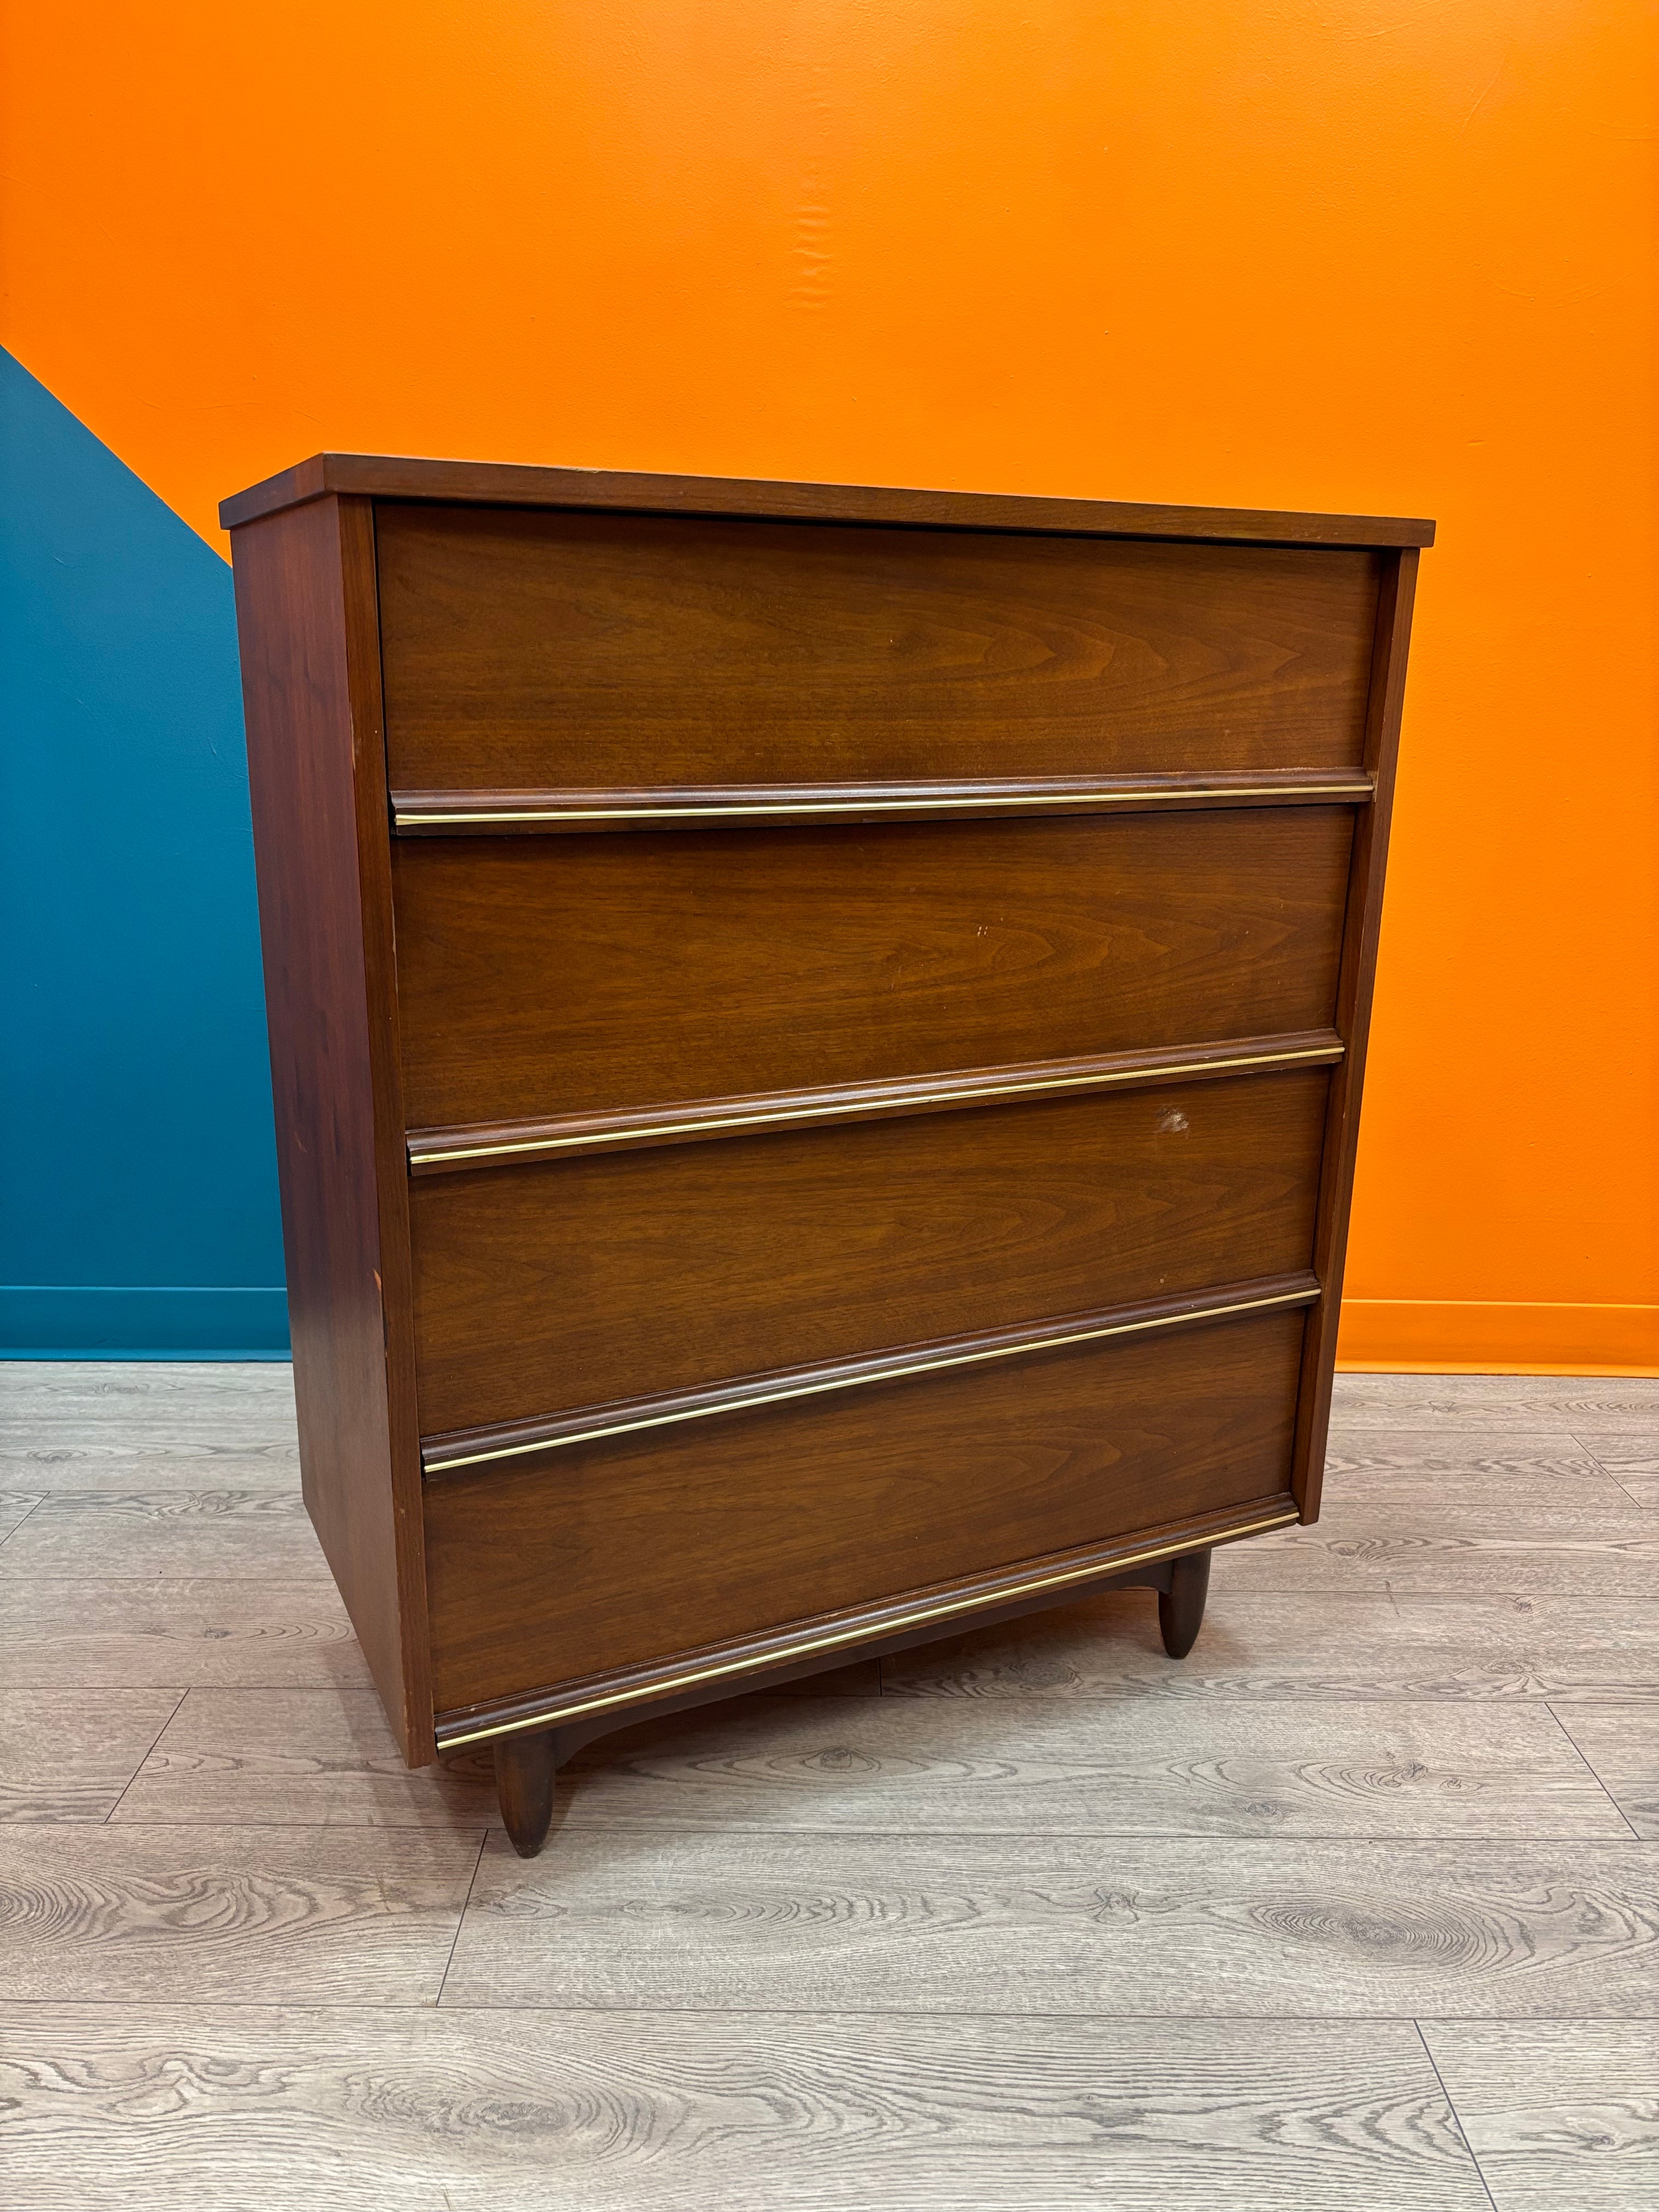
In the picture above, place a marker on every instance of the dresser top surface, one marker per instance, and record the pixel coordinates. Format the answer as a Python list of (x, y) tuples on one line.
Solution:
[(388, 476)]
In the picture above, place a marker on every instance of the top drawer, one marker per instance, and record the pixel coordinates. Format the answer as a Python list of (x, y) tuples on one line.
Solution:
[(538, 650)]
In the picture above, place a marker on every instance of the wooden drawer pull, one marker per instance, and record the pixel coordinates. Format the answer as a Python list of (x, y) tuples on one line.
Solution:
[(457, 1454), (415, 813), (433, 1151)]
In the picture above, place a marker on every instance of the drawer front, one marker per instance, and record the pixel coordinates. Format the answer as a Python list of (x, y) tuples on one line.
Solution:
[(545, 976), (543, 650), (620, 1554), (541, 1289)]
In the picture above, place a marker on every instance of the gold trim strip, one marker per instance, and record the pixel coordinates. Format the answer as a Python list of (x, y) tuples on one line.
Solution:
[(739, 809), (666, 1686), (898, 1372), (966, 1095)]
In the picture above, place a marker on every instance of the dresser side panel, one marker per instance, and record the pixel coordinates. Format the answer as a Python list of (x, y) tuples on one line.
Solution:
[(1361, 929), (305, 620)]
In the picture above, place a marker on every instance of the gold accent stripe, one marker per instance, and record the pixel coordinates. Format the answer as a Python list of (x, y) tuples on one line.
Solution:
[(900, 1370), (966, 1094), (737, 809), (894, 1625)]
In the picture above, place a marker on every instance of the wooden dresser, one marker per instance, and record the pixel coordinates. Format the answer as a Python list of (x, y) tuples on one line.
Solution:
[(817, 1038)]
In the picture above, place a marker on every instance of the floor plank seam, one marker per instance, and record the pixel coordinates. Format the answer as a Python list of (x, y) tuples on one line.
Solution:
[(1615, 1480), (1550, 1709), (1341, 1838), (35, 1507), (144, 1761), (460, 1919), (1456, 2118), (382, 2009)]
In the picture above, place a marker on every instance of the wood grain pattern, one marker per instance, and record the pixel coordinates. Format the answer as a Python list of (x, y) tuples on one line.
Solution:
[(1506, 1551), (526, 650), (1388, 1467), (301, 1758), (1363, 920), (804, 1510), (143, 1426), (306, 600), (1057, 1925), (45, 1468), (1560, 2114), (67, 1754), (1427, 1646), (707, 1120), (1637, 1478), (543, 1288), (79, 1407), (15, 1507), (1580, 1405), (169, 1632), (286, 1915), (1022, 2020), (217, 1533), (498, 484), (608, 972), (724, 1348), (660, 1418), (1619, 1744), (453, 2112), (1021, 1767), (779, 1658)]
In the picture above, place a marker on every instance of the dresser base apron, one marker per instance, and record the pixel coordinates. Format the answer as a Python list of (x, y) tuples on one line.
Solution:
[(530, 1745)]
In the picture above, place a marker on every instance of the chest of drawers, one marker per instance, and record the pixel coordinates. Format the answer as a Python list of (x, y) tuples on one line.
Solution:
[(817, 1036)]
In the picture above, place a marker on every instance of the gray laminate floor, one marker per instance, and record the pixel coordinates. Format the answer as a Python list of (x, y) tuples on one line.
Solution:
[(1358, 1908)]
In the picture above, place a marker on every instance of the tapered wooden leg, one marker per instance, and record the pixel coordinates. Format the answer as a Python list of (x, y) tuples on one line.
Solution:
[(525, 1766), (1180, 1607)]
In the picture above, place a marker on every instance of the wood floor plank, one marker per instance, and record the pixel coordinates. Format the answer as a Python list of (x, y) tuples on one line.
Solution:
[(1364, 1644), (68, 1754), (1404, 1468), (1562, 2115), (1036, 1767), (130, 1914), (164, 1634), (1449, 1547), (179, 1533), (263, 2110), (15, 1506), (319, 1758), (1188, 1927), (131, 1404), (1620, 1744), (1583, 1404), (46, 1467), (1637, 1477)]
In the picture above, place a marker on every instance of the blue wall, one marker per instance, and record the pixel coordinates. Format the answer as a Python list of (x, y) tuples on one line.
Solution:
[(138, 1213)]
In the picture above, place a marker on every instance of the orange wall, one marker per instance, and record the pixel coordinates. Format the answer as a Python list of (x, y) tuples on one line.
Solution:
[(1390, 254)]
